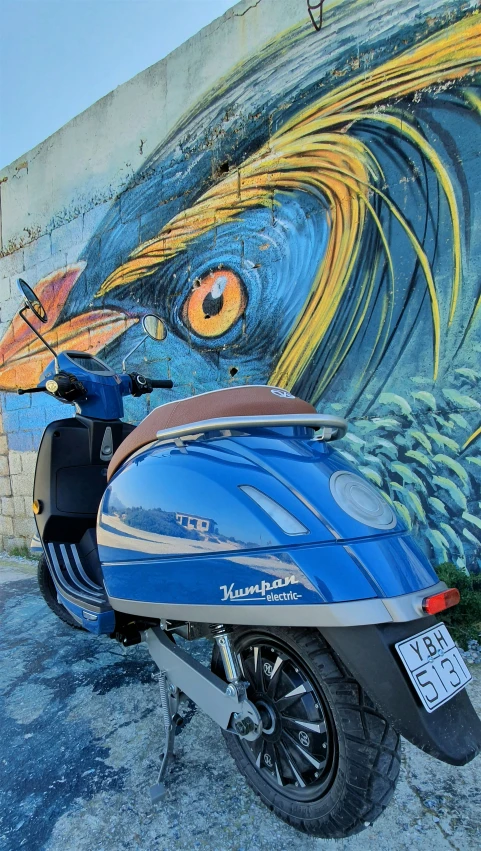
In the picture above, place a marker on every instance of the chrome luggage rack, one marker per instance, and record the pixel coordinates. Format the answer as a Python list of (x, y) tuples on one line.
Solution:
[(333, 428)]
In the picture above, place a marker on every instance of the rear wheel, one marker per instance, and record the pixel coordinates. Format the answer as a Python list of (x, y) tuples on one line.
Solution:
[(327, 761), (49, 594)]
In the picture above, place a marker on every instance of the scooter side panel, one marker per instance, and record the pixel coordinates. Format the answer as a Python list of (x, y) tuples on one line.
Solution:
[(176, 527), (395, 564), (307, 466), (174, 501), (304, 575)]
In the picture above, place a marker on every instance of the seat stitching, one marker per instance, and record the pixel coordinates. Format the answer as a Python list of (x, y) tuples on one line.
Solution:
[(169, 418)]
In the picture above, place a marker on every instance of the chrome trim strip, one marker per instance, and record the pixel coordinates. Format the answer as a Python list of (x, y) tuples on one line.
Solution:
[(84, 576), (406, 607), (54, 562), (87, 600), (401, 608), (81, 603), (274, 421), (66, 560), (322, 614)]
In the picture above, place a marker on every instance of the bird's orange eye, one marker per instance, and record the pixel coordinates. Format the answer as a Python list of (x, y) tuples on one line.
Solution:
[(216, 302)]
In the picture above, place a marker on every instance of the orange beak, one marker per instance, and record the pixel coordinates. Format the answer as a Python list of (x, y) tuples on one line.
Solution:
[(22, 355)]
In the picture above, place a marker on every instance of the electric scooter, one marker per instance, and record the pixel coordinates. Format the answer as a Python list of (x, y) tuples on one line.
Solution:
[(231, 516)]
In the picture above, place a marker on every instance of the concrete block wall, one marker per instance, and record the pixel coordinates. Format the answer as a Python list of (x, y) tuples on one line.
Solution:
[(25, 417), (333, 221)]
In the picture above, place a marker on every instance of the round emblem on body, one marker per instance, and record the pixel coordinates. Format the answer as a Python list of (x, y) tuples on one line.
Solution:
[(284, 394), (361, 500)]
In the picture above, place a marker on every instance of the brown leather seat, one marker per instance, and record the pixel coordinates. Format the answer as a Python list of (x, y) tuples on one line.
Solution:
[(231, 402)]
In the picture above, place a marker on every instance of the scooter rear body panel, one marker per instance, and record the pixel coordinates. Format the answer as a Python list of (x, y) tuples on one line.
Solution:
[(178, 527)]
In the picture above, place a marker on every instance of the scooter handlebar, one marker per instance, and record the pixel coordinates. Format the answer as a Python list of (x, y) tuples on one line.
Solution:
[(21, 391), (165, 384), (140, 384)]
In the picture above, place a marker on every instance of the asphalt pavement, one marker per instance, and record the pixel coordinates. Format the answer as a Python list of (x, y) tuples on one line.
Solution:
[(80, 736)]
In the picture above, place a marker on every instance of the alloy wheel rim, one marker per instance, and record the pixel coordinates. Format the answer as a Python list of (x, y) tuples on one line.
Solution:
[(297, 752)]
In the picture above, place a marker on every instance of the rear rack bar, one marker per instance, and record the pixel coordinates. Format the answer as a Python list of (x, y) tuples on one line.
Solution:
[(333, 427)]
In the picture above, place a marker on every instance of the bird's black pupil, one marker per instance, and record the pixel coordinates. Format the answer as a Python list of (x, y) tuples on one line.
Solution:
[(212, 306)]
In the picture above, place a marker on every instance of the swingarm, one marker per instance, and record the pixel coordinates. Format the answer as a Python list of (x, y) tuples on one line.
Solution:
[(226, 704)]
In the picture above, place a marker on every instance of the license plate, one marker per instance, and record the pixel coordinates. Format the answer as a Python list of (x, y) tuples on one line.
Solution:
[(435, 665)]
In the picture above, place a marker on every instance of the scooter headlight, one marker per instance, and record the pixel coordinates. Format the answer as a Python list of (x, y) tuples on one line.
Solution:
[(361, 500)]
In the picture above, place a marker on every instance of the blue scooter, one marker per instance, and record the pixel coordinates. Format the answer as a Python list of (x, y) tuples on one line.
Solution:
[(231, 516)]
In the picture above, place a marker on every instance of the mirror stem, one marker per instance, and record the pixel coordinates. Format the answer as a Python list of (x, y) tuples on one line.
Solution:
[(21, 313), (132, 351)]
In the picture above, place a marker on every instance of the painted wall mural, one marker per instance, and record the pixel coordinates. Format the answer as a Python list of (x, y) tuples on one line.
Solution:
[(314, 223)]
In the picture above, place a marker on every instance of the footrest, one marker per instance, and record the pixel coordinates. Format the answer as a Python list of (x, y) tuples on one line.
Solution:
[(71, 577)]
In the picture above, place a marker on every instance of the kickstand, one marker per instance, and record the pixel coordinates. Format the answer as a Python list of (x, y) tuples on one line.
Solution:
[(169, 699)]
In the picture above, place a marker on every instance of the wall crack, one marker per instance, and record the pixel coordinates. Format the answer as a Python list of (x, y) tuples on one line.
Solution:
[(241, 14)]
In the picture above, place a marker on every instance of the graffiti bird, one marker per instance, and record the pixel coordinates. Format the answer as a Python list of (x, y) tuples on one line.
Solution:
[(308, 254)]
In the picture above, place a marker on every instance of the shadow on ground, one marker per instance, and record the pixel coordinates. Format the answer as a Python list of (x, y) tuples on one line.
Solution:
[(80, 738)]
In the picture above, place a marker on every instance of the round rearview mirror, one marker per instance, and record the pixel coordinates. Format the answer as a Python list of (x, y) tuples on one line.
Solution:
[(32, 300), (154, 327)]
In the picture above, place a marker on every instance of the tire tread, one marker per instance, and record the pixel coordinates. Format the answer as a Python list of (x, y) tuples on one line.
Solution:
[(46, 586), (372, 754)]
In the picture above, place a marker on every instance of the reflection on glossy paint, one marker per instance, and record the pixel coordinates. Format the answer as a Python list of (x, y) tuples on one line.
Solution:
[(182, 554), (173, 538)]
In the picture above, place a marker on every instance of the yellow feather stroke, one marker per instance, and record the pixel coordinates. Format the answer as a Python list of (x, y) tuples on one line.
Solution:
[(313, 152), (473, 437)]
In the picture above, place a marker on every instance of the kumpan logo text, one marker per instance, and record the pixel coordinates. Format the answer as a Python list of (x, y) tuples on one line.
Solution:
[(266, 591)]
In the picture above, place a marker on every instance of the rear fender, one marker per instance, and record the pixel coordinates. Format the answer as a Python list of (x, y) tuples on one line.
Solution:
[(452, 733)]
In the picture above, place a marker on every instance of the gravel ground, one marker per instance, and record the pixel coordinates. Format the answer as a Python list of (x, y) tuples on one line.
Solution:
[(80, 738), (472, 656)]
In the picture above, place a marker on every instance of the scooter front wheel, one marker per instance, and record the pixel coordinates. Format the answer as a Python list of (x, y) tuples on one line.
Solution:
[(327, 761)]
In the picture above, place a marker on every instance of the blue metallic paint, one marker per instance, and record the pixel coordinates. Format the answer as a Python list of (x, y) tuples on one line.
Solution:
[(395, 563), (103, 400), (232, 544), (323, 574), (99, 623)]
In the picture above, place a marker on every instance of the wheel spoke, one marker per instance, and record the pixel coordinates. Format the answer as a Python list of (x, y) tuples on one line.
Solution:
[(256, 746), (305, 753), (258, 673), (274, 678), (292, 696), (293, 768), (260, 755), (296, 754), (278, 767), (318, 727), (270, 761)]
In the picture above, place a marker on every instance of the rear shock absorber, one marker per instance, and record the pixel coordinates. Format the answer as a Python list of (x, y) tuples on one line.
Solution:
[(233, 671), (230, 660)]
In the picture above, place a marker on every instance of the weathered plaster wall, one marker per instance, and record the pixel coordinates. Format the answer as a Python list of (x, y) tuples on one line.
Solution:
[(305, 210), (53, 199)]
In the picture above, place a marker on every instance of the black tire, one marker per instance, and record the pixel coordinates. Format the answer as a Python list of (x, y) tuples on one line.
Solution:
[(357, 753), (49, 594)]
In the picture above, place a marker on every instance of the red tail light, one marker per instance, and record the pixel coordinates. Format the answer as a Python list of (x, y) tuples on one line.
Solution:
[(439, 602)]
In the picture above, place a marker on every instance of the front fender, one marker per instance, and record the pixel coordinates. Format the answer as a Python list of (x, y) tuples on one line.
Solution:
[(452, 733)]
